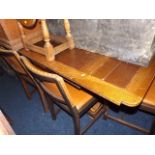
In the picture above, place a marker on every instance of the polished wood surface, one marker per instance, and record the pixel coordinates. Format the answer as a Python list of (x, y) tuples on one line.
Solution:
[(116, 81)]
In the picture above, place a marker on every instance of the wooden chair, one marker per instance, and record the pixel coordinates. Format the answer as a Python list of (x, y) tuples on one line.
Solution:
[(12, 58), (75, 102), (49, 50)]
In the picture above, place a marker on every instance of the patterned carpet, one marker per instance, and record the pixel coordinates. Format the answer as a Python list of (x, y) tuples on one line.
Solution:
[(28, 117)]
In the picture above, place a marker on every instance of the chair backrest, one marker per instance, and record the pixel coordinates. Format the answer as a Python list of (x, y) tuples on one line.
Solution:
[(43, 76), (20, 68), (12, 59)]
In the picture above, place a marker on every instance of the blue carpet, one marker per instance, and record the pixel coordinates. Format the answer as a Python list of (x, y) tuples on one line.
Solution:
[(28, 117)]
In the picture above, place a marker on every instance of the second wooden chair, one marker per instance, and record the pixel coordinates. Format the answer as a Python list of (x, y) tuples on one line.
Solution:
[(75, 102), (12, 58)]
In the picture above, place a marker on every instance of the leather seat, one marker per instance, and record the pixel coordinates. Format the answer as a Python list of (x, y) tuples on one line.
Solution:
[(80, 97)]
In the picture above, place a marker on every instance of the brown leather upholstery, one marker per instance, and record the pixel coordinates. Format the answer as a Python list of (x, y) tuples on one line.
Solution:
[(149, 100), (79, 97)]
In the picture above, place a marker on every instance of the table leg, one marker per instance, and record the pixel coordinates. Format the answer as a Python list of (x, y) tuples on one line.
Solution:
[(152, 131), (107, 116)]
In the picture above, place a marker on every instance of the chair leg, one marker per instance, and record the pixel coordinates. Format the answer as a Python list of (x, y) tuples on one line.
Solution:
[(43, 97), (105, 113), (77, 126), (26, 89), (76, 120), (52, 110)]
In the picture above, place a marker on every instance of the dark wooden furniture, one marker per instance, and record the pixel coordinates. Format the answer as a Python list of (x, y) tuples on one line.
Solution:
[(75, 102), (12, 59), (113, 80), (5, 128)]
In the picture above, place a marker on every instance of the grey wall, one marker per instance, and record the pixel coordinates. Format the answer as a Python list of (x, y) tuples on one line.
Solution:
[(127, 40)]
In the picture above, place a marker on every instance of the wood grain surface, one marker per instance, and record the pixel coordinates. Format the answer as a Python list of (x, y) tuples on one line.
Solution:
[(114, 80)]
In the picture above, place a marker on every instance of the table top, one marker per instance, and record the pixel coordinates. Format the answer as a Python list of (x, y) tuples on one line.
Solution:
[(114, 80)]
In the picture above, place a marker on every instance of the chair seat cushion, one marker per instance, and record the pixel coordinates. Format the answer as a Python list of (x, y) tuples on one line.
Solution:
[(80, 97)]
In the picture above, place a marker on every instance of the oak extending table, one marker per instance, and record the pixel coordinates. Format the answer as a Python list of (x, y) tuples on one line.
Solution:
[(114, 80)]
